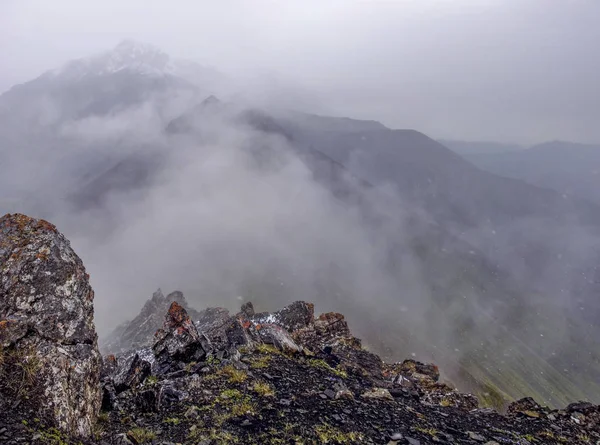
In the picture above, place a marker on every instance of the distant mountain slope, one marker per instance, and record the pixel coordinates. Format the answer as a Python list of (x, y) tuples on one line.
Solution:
[(570, 169), (461, 263), (477, 147)]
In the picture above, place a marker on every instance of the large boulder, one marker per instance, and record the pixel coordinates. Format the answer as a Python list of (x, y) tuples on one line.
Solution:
[(48, 344)]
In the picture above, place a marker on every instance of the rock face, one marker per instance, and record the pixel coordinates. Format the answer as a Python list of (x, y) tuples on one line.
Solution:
[(48, 345)]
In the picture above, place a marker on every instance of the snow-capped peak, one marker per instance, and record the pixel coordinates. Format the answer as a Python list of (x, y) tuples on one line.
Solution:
[(134, 55), (141, 59), (128, 55)]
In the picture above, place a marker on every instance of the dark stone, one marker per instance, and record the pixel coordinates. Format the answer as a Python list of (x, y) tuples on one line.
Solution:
[(212, 322), (146, 401), (410, 367), (131, 373), (109, 396), (168, 396), (524, 404), (579, 406)]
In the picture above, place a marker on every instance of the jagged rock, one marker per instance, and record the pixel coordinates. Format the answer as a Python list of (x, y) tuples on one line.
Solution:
[(332, 325), (296, 316), (417, 370), (248, 309), (139, 332), (131, 372), (213, 323), (47, 334), (239, 332), (178, 340), (579, 406)]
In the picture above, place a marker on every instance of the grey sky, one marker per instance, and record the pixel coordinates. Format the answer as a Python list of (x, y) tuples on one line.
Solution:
[(504, 70)]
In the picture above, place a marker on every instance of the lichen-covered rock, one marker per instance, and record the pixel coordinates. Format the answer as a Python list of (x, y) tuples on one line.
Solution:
[(47, 334), (178, 340)]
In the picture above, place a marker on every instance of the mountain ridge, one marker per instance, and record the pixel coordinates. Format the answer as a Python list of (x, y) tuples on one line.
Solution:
[(480, 242)]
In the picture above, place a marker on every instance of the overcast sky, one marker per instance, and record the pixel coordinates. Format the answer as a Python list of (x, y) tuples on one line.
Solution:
[(504, 70)]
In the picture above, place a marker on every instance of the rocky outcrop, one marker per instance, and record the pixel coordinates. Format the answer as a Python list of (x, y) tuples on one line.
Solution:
[(288, 377), (49, 358), (178, 340), (139, 332)]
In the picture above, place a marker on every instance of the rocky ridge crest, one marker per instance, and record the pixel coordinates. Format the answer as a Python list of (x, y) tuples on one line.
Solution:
[(211, 377)]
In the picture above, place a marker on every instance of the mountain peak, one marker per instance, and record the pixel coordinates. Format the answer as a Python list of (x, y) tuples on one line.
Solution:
[(131, 55)]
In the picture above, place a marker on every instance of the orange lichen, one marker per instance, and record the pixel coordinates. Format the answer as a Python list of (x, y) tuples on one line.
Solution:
[(177, 313), (45, 225)]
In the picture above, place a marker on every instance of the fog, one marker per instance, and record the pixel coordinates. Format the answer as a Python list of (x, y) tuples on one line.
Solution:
[(387, 227), (501, 70), (232, 215)]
